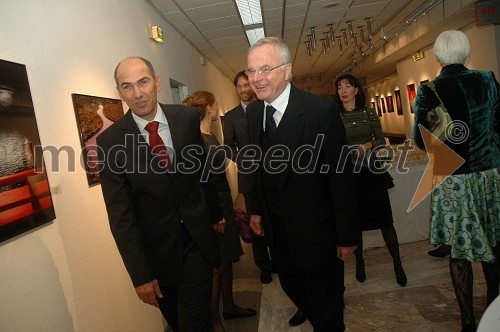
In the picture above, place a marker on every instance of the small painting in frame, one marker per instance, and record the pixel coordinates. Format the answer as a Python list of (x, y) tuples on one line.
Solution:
[(382, 101), (379, 106), (399, 106), (390, 105), (411, 95), (93, 116)]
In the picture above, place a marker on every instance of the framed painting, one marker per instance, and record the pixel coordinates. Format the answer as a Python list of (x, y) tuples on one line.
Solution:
[(379, 105), (423, 82), (382, 101), (25, 199), (411, 95), (390, 105), (93, 116), (399, 106)]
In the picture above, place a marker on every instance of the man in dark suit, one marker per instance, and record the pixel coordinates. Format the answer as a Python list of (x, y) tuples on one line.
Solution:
[(236, 137), (309, 202), (159, 213)]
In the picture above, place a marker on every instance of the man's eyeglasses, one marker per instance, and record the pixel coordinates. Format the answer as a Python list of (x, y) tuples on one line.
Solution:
[(264, 70)]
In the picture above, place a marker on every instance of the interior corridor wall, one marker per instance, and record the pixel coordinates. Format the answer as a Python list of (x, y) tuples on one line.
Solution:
[(68, 275)]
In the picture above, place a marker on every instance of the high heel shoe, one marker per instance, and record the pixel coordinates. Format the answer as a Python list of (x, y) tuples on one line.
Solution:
[(400, 274), (440, 252), (471, 327), (360, 270)]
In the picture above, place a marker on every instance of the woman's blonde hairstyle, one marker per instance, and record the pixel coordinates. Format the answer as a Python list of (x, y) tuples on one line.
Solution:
[(201, 100)]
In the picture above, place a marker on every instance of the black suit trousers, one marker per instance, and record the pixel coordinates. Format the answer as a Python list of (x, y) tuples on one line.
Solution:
[(261, 255), (319, 293), (186, 306)]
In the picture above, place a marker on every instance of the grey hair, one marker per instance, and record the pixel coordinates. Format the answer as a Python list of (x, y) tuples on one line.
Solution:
[(282, 47), (452, 47), (146, 62)]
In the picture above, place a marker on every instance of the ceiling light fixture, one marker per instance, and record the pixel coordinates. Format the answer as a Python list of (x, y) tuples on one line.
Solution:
[(369, 27), (351, 33), (251, 16), (255, 34), (313, 38)]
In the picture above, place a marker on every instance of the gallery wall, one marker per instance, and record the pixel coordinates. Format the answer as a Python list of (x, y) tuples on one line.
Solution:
[(68, 275)]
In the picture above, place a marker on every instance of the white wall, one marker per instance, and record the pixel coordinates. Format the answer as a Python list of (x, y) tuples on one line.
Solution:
[(68, 275)]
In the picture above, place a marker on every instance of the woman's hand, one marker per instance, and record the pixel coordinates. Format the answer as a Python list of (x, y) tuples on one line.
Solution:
[(363, 149), (220, 227)]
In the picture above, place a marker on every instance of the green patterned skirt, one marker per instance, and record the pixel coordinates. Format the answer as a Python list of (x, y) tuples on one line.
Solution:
[(465, 214)]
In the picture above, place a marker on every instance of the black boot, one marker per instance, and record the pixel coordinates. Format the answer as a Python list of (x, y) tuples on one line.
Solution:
[(400, 274), (360, 269)]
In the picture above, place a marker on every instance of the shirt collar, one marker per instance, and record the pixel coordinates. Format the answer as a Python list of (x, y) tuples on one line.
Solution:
[(160, 117), (244, 106), (281, 102)]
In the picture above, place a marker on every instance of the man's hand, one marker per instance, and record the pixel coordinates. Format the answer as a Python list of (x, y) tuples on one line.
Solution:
[(343, 252), (148, 292), (220, 227), (256, 224)]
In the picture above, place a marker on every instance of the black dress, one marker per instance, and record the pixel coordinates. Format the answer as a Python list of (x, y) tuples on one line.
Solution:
[(374, 206), (230, 245)]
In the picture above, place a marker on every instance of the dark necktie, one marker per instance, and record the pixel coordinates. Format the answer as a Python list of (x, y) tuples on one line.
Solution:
[(158, 147), (270, 123)]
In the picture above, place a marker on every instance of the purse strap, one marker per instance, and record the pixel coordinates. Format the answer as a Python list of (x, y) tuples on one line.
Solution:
[(433, 88)]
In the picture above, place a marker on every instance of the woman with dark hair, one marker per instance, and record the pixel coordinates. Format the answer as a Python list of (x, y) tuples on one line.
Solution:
[(229, 240), (465, 207), (364, 132)]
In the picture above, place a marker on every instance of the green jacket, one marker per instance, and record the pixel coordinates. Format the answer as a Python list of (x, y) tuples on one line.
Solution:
[(472, 97)]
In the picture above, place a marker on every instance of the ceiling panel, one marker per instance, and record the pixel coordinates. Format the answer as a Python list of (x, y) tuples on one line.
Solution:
[(219, 23), (212, 12)]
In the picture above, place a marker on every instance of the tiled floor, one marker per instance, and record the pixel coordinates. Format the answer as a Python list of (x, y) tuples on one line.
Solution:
[(427, 303)]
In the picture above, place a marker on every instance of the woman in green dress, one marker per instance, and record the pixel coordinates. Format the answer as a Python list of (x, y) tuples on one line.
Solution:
[(364, 131)]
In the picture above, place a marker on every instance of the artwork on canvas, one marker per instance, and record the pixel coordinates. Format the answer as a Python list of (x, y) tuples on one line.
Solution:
[(399, 106), (411, 95), (94, 115), (25, 199), (382, 101), (379, 106), (390, 105)]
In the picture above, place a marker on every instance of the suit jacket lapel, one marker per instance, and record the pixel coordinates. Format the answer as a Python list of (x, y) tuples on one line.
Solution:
[(173, 125)]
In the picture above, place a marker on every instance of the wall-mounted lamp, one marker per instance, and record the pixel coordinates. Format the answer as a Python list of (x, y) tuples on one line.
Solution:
[(156, 34), (418, 55)]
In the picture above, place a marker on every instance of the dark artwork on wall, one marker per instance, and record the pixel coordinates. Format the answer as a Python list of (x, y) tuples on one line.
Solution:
[(423, 82), (411, 95), (399, 106), (379, 106), (373, 105), (25, 200), (382, 101), (390, 106), (93, 116)]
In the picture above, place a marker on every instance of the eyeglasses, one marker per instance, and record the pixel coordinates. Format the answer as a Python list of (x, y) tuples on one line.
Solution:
[(264, 70)]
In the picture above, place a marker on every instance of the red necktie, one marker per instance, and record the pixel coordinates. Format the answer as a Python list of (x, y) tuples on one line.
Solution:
[(158, 147)]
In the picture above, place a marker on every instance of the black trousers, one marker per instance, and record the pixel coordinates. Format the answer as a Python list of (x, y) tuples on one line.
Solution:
[(186, 306), (260, 244), (318, 292)]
